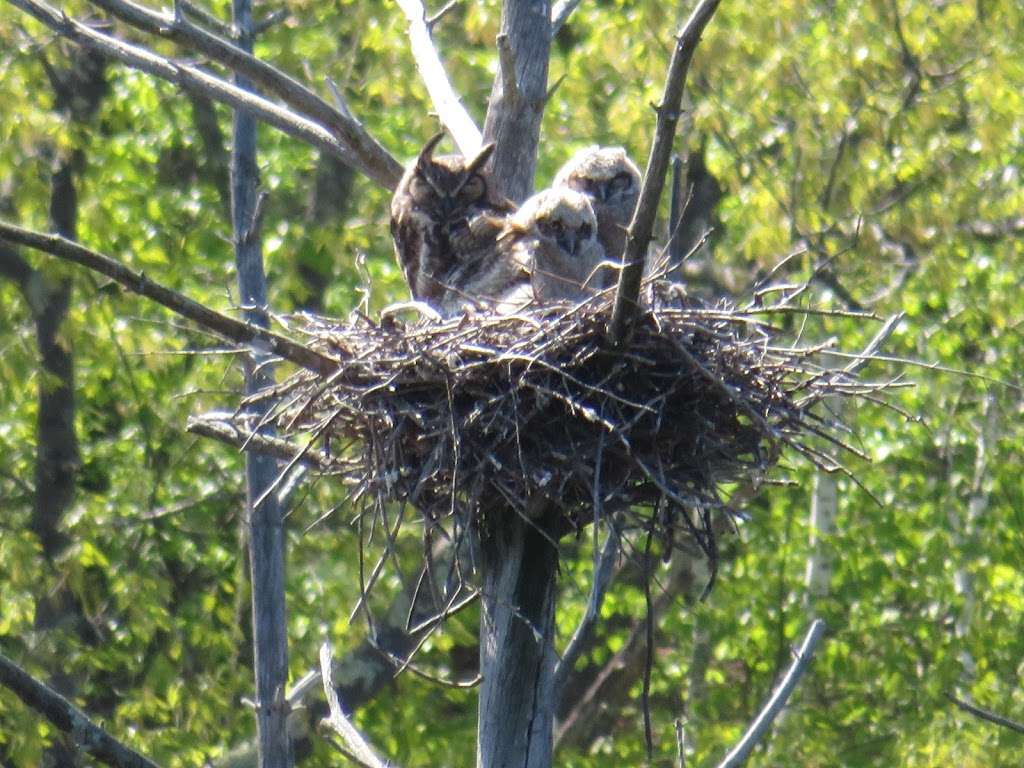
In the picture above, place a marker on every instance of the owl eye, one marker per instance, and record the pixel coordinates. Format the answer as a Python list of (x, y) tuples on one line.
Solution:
[(473, 189), (584, 231), (620, 184), (421, 190)]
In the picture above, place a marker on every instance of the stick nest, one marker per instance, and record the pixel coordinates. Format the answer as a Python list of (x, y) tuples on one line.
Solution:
[(533, 414)]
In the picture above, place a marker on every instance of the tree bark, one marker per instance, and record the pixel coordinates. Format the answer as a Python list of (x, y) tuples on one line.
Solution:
[(265, 516), (519, 95), (518, 562)]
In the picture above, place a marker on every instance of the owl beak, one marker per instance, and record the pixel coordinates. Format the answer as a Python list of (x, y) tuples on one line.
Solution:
[(568, 241), (428, 149)]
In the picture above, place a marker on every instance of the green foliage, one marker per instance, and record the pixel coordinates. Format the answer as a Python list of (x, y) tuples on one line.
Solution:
[(829, 134)]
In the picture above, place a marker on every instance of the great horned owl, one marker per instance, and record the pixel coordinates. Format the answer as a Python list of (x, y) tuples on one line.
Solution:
[(442, 213), (611, 180), (548, 250)]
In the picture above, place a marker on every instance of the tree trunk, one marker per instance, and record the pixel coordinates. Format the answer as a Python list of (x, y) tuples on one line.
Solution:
[(519, 564), (266, 519)]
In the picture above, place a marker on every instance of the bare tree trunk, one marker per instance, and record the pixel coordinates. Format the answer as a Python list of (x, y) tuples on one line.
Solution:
[(266, 521), (519, 95), (517, 657)]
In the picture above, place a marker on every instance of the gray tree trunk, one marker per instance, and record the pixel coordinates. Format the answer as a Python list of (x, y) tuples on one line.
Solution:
[(519, 564), (266, 522)]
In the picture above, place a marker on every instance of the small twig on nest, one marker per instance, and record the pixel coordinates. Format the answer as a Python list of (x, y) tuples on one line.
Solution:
[(642, 226)]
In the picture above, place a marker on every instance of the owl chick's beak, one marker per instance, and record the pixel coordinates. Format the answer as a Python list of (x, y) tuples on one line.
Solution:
[(568, 241)]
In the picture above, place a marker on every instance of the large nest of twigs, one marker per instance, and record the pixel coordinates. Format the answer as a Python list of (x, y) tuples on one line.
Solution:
[(535, 414)]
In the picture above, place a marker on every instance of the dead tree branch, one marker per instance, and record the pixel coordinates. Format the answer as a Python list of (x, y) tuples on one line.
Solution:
[(446, 101), (356, 747), (62, 713), (985, 714), (365, 153), (194, 79), (233, 330), (642, 226), (758, 728)]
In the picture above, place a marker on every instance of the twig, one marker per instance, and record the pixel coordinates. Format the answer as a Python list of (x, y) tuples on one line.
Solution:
[(231, 329), (227, 431), (449, 107), (363, 151), (507, 68), (640, 229), (196, 80), (985, 714), (767, 715), (88, 736), (356, 746)]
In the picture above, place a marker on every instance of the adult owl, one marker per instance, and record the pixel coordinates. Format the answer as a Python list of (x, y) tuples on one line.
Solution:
[(442, 214), (611, 181), (547, 251)]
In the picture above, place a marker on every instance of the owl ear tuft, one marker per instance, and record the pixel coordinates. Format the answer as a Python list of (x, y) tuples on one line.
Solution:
[(426, 154), (480, 158)]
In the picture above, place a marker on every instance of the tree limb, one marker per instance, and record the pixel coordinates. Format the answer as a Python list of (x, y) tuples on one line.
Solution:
[(195, 79), (560, 13), (449, 107), (62, 713), (356, 746), (642, 226), (366, 154), (239, 332), (773, 707), (985, 714)]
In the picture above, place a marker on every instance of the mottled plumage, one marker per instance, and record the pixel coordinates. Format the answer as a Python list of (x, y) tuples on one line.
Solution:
[(611, 181), (443, 214), (548, 250)]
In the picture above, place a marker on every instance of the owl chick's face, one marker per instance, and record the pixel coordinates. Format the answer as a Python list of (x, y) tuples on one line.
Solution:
[(558, 217), (449, 185), (604, 174)]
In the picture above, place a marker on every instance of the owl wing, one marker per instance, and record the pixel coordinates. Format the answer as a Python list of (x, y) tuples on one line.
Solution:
[(423, 254)]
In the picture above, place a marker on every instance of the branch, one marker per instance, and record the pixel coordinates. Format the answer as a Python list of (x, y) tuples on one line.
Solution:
[(560, 13), (985, 714), (194, 79), (603, 573), (88, 736), (449, 107), (767, 715), (221, 427), (233, 330), (365, 153), (640, 229), (356, 746)]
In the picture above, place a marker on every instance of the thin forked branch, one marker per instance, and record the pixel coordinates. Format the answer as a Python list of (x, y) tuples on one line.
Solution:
[(369, 156), (355, 746), (194, 79), (642, 226), (446, 101), (239, 332), (67, 717)]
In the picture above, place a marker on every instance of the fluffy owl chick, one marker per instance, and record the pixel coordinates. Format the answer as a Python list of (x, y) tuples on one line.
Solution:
[(611, 181), (431, 214), (547, 251)]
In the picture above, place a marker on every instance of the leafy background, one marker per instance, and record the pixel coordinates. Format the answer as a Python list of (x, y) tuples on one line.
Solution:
[(883, 137)]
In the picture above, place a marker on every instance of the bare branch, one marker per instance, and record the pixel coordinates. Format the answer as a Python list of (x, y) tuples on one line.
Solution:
[(364, 152), (88, 736), (599, 585), (642, 226), (233, 330), (449, 107), (758, 728), (222, 427), (356, 746), (560, 13), (985, 714), (195, 79)]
